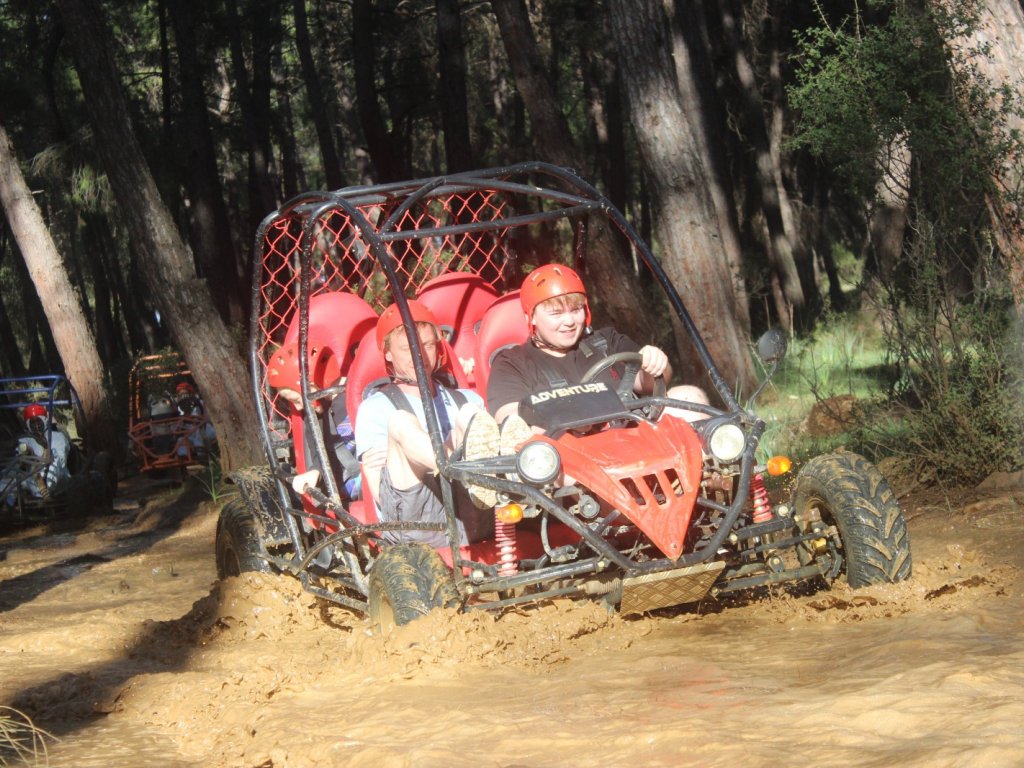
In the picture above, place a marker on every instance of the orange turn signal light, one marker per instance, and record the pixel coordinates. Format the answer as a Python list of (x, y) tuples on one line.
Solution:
[(510, 513), (779, 465)]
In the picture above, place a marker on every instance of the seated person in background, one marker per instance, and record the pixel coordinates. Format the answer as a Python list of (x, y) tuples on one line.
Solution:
[(395, 448), (562, 347), (51, 446), (188, 403)]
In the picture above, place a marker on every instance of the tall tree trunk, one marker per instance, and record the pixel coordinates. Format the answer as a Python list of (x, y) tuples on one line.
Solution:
[(551, 136), (211, 241), (71, 332), (389, 163), (888, 219), (1001, 34), (755, 128), (609, 271), (13, 362), (667, 114), (318, 105), (262, 198), (458, 148), (108, 331), (184, 301)]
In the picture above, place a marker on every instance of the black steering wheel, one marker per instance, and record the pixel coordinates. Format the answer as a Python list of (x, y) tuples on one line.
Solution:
[(625, 392)]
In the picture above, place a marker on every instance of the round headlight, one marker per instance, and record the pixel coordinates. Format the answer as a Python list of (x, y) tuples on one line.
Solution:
[(726, 442), (538, 462)]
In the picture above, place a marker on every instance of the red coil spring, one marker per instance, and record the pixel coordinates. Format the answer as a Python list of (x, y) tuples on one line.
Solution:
[(508, 557), (759, 496)]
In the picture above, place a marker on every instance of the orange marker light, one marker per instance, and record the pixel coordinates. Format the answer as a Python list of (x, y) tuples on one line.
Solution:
[(779, 465), (510, 513)]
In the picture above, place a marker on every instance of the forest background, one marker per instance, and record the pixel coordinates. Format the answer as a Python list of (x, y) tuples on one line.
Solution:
[(788, 161)]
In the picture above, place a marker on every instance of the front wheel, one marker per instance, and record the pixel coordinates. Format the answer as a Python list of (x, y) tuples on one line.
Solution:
[(408, 581), (848, 492), (238, 542)]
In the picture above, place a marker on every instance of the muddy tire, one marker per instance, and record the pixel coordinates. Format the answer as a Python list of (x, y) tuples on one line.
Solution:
[(847, 491), (406, 582), (238, 542)]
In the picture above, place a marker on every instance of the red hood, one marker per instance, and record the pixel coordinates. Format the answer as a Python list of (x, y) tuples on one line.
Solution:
[(624, 467)]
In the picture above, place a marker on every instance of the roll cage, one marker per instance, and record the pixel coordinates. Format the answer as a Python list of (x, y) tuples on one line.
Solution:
[(383, 243)]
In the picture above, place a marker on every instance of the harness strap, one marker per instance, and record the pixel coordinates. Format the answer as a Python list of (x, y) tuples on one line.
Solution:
[(591, 346), (399, 399)]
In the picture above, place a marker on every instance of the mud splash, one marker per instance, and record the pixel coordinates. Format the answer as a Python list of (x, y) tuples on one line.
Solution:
[(120, 641)]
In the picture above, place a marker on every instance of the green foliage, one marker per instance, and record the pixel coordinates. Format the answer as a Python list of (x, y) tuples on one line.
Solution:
[(904, 74), (211, 479)]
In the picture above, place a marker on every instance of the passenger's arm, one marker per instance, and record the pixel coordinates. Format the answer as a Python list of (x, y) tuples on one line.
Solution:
[(373, 463)]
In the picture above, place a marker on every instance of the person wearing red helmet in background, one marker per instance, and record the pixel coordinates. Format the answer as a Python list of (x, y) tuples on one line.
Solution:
[(45, 442), (395, 448), (563, 345), (189, 403)]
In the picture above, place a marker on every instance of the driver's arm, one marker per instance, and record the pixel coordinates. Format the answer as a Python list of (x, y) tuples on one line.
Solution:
[(654, 365)]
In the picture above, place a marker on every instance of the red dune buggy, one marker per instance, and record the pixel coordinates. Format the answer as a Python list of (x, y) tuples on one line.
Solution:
[(616, 502), (168, 427)]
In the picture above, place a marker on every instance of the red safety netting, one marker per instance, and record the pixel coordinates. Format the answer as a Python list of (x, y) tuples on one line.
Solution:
[(422, 244)]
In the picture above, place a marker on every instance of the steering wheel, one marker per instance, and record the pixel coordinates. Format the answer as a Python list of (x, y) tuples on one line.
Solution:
[(632, 361)]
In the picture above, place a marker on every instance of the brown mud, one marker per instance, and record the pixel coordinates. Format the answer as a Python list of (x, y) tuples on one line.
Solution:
[(117, 638)]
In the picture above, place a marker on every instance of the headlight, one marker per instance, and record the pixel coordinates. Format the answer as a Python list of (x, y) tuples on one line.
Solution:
[(538, 462), (726, 441)]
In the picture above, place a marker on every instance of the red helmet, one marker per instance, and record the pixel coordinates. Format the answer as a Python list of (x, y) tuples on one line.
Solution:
[(391, 318), (547, 282), (34, 411), (184, 386)]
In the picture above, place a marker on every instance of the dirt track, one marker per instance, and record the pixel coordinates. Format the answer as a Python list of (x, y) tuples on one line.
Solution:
[(118, 639)]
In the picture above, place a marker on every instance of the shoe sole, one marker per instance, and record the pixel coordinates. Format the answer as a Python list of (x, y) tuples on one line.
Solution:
[(481, 442)]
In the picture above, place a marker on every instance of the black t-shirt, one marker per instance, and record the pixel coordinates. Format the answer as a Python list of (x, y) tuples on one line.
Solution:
[(523, 370)]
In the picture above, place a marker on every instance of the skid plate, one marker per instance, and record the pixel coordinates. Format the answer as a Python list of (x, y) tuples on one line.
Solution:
[(660, 590)]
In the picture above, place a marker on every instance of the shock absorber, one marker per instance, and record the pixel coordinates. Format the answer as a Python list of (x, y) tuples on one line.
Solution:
[(505, 537), (759, 498)]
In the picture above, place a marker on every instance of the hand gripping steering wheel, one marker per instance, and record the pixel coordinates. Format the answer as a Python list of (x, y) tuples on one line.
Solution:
[(624, 390)]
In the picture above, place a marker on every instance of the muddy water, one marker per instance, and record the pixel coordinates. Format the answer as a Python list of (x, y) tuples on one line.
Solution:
[(119, 641)]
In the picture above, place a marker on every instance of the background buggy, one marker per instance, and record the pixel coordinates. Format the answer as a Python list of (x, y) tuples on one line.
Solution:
[(167, 424), (30, 489)]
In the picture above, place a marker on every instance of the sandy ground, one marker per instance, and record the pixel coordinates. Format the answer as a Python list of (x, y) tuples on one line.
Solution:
[(117, 638)]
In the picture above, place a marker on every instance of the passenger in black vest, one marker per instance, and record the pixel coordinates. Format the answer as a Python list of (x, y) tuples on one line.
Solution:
[(563, 347), (393, 444)]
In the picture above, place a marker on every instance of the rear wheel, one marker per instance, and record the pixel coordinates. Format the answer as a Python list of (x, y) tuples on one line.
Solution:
[(238, 542), (847, 491), (408, 581)]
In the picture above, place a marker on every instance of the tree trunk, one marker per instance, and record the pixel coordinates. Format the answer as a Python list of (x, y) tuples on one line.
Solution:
[(211, 241), (613, 285), (755, 129), (667, 114), (13, 362), (888, 219), (184, 301), (1001, 33), (71, 332), (551, 136), (458, 149), (318, 105), (262, 198), (388, 162)]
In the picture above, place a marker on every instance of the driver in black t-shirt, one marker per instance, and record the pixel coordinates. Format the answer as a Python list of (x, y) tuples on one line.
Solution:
[(562, 346)]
